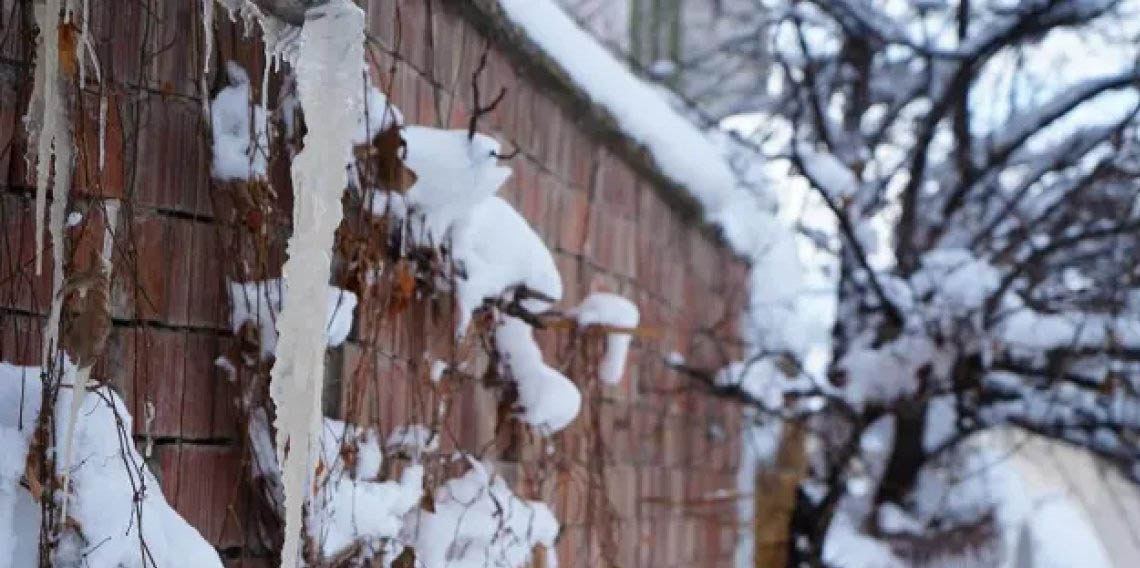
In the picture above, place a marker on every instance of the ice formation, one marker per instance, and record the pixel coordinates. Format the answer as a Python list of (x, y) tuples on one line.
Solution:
[(86, 360), (328, 67)]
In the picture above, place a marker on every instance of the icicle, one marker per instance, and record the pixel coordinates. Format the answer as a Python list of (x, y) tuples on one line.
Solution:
[(80, 384), (207, 51), (208, 34), (102, 131), (87, 49), (43, 112), (50, 130), (327, 66)]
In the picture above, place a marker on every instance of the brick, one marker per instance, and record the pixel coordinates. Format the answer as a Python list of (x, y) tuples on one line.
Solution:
[(159, 381), (206, 486), (208, 397), (414, 33), (91, 178), (207, 297), (174, 157), (21, 336), (177, 57), (575, 220), (20, 287), (447, 45)]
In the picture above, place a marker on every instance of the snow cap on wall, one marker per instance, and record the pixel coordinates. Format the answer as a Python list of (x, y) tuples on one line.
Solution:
[(678, 148)]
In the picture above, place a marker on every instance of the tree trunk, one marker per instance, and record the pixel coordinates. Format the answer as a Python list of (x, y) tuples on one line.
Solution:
[(907, 454)]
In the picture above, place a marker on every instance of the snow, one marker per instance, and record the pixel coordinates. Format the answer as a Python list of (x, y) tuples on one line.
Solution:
[(376, 114), (241, 139), (106, 474), (548, 400), (260, 302), (452, 204), (759, 378), (498, 251), (414, 440), (957, 280), (438, 369), (613, 311), (484, 524), (678, 148), (895, 520), (941, 421), (1057, 535), (847, 546), (453, 175), (888, 373), (1028, 329), (827, 173), (353, 511), (328, 66), (350, 507)]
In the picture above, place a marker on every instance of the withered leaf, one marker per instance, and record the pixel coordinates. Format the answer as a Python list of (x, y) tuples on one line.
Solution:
[(69, 49), (392, 172), (406, 559), (32, 477), (427, 502), (788, 366), (403, 286)]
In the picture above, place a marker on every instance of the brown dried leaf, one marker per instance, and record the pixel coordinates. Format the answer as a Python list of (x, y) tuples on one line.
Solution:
[(394, 175), (788, 366), (69, 49), (406, 559), (427, 502), (32, 477), (404, 286)]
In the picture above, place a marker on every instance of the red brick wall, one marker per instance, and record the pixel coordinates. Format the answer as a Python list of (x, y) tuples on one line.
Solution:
[(609, 220)]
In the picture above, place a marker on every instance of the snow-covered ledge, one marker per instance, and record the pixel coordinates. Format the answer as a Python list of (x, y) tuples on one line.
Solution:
[(615, 107)]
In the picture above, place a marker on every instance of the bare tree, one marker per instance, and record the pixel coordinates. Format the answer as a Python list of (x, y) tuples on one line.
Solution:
[(1009, 293)]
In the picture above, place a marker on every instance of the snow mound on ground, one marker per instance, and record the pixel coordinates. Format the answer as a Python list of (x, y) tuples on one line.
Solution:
[(107, 475)]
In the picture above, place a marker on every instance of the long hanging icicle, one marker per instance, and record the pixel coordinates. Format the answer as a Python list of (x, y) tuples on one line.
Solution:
[(207, 51), (44, 112), (328, 68), (97, 286), (48, 126)]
